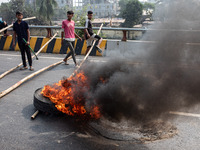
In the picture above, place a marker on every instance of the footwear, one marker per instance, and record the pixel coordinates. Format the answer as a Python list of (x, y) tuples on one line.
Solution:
[(23, 68), (99, 49), (76, 65), (65, 61), (31, 68)]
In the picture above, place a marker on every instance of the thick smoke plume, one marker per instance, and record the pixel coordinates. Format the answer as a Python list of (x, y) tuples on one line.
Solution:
[(167, 79)]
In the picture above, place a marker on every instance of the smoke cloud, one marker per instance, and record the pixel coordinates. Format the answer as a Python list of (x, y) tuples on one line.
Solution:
[(167, 79)]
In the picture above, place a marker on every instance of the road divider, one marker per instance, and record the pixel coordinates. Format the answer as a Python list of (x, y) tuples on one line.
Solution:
[(54, 47)]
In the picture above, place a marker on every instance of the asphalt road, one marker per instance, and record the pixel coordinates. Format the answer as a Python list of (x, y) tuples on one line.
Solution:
[(18, 131)]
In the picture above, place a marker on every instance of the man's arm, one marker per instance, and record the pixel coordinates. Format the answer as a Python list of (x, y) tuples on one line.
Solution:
[(5, 23), (76, 35), (14, 37), (28, 33), (85, 30)]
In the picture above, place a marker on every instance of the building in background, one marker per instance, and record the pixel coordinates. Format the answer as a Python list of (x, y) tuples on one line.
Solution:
[(61, 3), (78, 4), (101, 8)]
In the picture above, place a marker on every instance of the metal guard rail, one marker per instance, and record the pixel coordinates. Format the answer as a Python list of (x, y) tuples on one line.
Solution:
[(115, 29), (124, 30), (95, 28)]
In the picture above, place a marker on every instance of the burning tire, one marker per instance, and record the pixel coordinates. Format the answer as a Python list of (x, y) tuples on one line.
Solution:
[(121, 131), (43, 104)]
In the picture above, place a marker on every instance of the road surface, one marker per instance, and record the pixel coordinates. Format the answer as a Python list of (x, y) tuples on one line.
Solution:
[(19, 132)]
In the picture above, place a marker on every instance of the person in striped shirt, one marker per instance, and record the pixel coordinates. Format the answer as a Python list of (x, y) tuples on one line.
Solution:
[(90, 36)]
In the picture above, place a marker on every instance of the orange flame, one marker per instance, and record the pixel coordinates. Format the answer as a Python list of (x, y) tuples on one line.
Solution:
[(68, 96)]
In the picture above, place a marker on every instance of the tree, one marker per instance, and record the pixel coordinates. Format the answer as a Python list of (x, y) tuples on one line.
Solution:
[(46, 9), (132, 13), (60, 13), (6, 13), (8, 10), (122, 5), (149, 8), (80, 18)]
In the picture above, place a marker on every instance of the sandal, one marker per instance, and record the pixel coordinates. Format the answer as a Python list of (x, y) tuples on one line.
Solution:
[(65, 61), (23, 68), (31, 68)]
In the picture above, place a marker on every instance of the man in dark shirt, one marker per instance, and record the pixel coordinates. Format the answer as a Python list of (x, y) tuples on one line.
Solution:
[(21, 29), (89, 34), (3, 24)]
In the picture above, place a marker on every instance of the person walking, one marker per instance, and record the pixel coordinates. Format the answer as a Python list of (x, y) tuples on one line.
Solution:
[(68, 34)]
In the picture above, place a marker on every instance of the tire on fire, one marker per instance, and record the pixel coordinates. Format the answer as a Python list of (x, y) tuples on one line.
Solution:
[(43, 104)]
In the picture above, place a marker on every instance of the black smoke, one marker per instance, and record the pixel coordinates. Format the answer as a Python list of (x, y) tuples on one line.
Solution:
[(167, 79)]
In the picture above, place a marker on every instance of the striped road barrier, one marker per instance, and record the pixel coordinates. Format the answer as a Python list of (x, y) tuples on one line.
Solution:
[(53, 47)]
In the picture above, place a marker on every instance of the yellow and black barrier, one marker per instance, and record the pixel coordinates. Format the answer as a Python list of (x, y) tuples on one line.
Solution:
[(53, 47)]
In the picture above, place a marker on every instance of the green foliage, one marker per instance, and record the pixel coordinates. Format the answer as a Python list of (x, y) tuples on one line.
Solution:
[(132, 13), (80, 18), (122, 5), (149, 8), (60, 13), (5, 12), (129, 11), (8, 10), (46, 9)]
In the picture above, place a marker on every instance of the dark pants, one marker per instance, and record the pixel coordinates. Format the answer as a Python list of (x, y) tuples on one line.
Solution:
[(2, 25), (25, 49), (72, 51)]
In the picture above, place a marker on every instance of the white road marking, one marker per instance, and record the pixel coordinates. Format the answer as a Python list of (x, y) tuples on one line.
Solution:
[(184, 114), (12, 55), (45, 57)]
